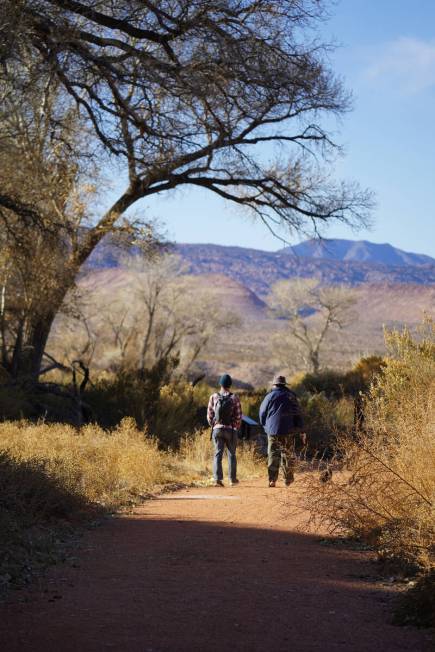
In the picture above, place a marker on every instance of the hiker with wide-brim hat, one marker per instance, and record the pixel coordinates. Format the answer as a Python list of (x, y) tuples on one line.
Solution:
[(281, 417), (224, 415)]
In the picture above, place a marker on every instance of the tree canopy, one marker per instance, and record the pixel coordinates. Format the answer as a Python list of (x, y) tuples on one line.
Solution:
[(231, 96), (184, 91)]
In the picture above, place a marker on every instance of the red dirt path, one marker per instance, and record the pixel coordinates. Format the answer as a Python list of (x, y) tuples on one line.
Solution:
[(205, 570)]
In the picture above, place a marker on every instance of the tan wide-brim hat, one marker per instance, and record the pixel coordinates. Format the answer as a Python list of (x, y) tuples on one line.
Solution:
[(279, 380)]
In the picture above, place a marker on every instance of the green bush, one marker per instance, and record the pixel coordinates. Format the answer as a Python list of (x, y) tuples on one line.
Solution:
[(168, 410), (176, 413), (30, 402), (251, 402), (336, 384), (329, 383), (325, 418), (129, 393)]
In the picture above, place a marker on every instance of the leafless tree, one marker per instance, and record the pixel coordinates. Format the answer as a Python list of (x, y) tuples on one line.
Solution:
[(123, 331), (172, 321), (48, 183), (42, 209), (312, 312), (186, 93)]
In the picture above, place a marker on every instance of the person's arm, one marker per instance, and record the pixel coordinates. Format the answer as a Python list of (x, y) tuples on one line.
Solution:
[(237, 412), (210, 411), (263, 410)]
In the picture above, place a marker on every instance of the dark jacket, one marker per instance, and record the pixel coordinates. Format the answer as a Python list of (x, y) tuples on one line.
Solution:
[(280, 413)]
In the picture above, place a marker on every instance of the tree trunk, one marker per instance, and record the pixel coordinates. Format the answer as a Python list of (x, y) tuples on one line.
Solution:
[(36, 333), (315, 363), (32, 340), (29, 361)]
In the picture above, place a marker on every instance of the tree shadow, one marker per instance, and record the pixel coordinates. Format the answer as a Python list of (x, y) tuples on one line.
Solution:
[(38, 511), (146, 584)]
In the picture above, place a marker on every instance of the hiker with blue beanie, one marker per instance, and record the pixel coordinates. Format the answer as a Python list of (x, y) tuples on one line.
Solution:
[(224, 415), (281, 417)]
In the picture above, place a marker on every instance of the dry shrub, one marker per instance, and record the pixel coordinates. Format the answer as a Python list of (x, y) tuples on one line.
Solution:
[(113, 468), (384, 492), (53, 476), (36, 512), (104, 467), (176, 412), (417, 605)]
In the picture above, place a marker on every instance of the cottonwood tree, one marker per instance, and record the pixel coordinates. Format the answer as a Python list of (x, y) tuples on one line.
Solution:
[(168, 321), (312, 312), (44, 182), (189, 93), (164, 321), (48, 181)]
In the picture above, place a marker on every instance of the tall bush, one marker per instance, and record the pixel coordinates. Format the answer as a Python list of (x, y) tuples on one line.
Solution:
[(386, 488)]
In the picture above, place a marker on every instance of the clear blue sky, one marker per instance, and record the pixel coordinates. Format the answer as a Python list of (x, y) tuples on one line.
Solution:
[(387, 58)]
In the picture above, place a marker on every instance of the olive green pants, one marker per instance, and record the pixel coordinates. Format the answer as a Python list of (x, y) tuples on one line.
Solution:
[(281, 453)]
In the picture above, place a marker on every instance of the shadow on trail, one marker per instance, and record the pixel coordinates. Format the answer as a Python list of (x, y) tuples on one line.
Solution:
[(167, 585)]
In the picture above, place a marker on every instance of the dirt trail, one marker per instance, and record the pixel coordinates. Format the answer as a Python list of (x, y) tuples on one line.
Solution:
[(205, 570)]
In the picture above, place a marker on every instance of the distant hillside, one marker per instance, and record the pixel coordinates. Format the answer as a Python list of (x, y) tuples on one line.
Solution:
[(247, 351), (240, 279), (258, 270), (233, 296), (359, 251)]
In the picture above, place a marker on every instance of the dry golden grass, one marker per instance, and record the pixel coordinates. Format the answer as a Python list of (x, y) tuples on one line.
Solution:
[(113, 468), (385, 491), (194, 458), (53, 477), (104, 467)]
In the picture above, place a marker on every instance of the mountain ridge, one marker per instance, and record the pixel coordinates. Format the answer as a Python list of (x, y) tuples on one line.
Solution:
[(258, 270), (358, 251)]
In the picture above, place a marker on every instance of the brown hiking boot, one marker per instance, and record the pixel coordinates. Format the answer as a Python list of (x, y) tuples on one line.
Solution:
[(289, 480), (272, 483), (218, 483)]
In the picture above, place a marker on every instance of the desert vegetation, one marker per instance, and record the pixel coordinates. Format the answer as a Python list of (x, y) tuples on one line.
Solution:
[(382, 486), (102, 394), (158, 318), (55, 479)]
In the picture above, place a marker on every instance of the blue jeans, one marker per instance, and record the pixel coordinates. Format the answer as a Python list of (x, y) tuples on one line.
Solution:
[(221, 438)]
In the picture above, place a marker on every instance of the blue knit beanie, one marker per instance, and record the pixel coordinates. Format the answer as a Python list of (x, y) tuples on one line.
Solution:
[(225, 381)]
